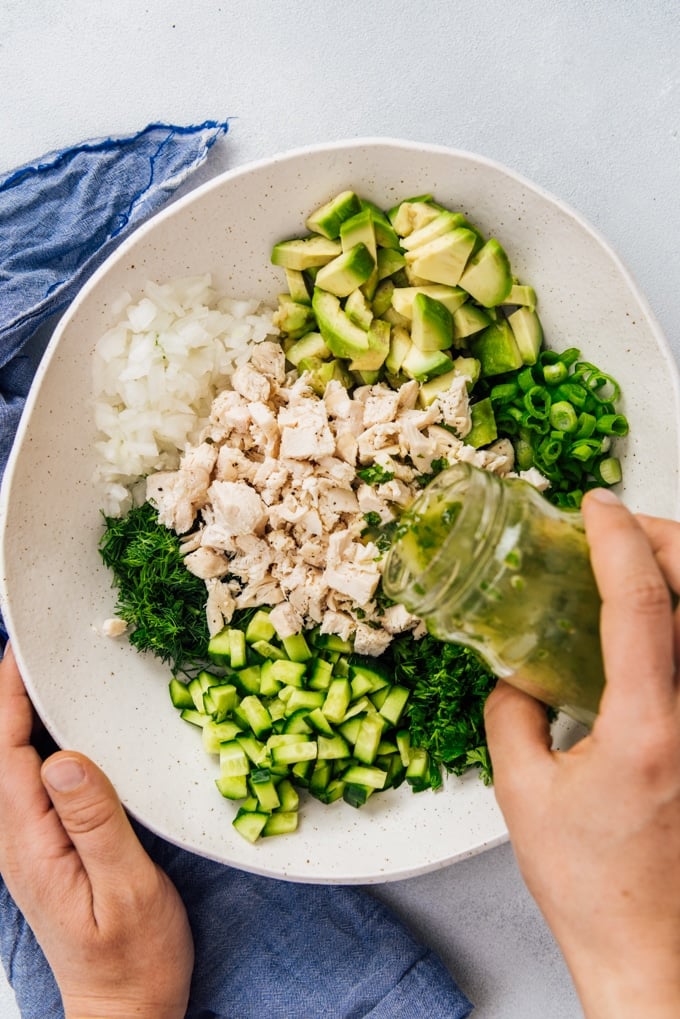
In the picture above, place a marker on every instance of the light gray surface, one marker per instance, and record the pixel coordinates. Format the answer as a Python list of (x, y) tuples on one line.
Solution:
[(582, 96)]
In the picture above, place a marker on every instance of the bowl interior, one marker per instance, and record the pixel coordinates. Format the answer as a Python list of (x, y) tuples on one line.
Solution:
[(102, 697)]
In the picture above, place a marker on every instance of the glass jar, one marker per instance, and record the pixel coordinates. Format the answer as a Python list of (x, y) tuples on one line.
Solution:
[(490, 563)]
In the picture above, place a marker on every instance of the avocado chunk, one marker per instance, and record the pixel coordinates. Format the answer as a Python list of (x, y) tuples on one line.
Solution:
[(425, 364), (358, 309), (432, 324), (528, 333), (378, 348), (442, 223), (450, 297), (348, 271), (487, 278), (484, 428), (496, 349), (311, 345), (343, 338), (521, 294), (382, 299), (389, 262), (468, 320), (463, 367), (328, 219), (443, 260), (400, 344), (322, 372), (360, 229), (293, 318), (413, 213), (385, 234), (297, 286), (305, 252)]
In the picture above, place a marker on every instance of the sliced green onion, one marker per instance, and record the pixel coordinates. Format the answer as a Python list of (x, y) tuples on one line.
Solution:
[(585, 425), (504, 392), (526, 379), (524, 455), (555, 373), (572, 393), (609, 470), (612, 424), (585, 449), (549, 450), (537, 401), (563, 416)]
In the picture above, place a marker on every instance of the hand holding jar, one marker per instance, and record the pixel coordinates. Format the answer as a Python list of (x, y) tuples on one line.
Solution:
[(596, 829)]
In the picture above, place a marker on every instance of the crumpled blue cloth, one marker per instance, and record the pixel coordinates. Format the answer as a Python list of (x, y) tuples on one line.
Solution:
[(61, 216), (263, 947)]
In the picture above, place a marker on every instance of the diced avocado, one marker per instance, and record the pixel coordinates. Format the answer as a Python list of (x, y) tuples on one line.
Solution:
[(385, 234), (297, 286), (360, 229), (311, 345), (322, 372), (389, 262), (441, 224), (343, 338), (378, 348), (470, 367), (487, 277), (496, 349), (468, 320), (483, 429), (467, 367), (425, 364), (293, 318), (528, 332), (400, 344), (451, 297), (413, 213), (328, 219), (358, 309), (432, 324), (521, 294), (443, 260), (382, 299), (367, 378), (395, 319), (348, 271), (305, 252)]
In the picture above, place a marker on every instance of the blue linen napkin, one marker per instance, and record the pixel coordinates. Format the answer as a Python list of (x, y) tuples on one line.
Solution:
[(59, 218)]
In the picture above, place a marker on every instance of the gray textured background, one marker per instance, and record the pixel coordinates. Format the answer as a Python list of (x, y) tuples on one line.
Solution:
[(581, 97)]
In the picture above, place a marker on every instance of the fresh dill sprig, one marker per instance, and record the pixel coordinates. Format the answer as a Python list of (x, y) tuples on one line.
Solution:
[(449, 684), (162, 602)]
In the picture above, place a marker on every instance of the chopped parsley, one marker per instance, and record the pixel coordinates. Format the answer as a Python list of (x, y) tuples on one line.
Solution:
[(375, 475)]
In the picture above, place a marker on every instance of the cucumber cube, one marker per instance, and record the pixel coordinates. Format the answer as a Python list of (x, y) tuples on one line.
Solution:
[(281, 822), (250, 824), (260, 627)]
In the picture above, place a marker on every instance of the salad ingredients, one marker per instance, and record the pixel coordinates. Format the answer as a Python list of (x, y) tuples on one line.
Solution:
[(273, 501)]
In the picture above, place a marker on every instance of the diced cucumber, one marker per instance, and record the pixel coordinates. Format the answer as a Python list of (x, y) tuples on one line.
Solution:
[(254, 749), (234, 787), (180, 694), (237, 649), (337, 700), (332, 642), (219, 649), (320, 674), (262, 786), (292, 753), (297, 648), (417, 769), (319, 723), (395, 703), (288, 795), (248, 680), (260, 627), (250, 824), (216, 733), (281, 822), (305, 699), (233, 760), (268, 650), (223, 697), (368, 739), (195, 717), (359, 774), (297, 722), (332, 748), (259, 719)]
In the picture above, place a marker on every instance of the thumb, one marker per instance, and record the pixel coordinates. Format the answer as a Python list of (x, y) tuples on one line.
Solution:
[(93, 818), (519, 741)]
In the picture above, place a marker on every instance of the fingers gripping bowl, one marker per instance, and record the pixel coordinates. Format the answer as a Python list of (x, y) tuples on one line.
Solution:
[(105, 699)]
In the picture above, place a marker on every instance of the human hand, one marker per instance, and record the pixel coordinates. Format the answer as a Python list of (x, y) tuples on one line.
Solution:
[(111, 924), (596, 829)]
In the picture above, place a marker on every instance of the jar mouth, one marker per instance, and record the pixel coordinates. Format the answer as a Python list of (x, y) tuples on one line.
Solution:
[(450, 532)]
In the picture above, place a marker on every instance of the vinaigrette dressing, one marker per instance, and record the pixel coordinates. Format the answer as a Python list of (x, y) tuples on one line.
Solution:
[(489, 563)]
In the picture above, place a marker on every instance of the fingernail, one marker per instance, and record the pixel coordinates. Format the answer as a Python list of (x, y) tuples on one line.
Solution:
[(64, 774), (603, 495)]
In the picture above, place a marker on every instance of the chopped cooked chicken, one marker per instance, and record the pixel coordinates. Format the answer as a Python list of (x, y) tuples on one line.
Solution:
[(273, 512)]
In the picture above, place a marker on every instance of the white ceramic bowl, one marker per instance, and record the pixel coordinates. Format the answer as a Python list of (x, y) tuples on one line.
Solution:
[(101, 697)]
